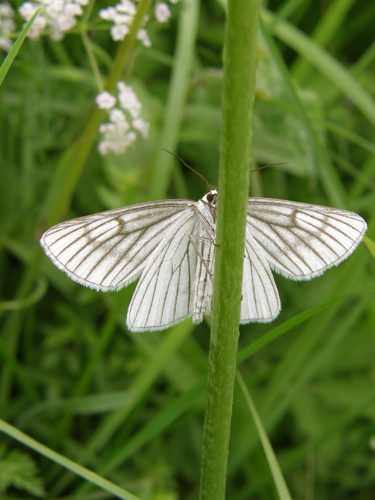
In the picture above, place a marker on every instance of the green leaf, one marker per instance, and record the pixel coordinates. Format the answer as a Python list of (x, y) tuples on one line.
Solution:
[(17, 469)]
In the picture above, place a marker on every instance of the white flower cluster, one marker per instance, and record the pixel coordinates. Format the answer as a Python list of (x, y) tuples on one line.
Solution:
[(124, 123), (122, 15), (7, 25), (57, 16), (162, 12)]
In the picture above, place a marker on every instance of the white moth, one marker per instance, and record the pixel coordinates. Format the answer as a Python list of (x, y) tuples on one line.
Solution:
[(171, 243)]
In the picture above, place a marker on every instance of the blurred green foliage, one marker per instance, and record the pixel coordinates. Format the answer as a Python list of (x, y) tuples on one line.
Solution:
[(129, 406)]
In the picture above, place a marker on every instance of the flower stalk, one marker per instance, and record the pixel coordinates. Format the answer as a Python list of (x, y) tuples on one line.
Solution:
[(235, 153)]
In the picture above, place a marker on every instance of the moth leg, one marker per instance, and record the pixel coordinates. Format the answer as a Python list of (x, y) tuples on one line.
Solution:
[(209, 237), (200, 237), (200, 255), (203, 221)]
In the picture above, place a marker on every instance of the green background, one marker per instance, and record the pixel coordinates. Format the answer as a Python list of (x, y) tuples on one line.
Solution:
[(130, 406)]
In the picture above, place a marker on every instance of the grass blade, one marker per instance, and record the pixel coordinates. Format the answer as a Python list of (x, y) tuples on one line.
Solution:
[(277, 475), (7, 63), (77, 469)]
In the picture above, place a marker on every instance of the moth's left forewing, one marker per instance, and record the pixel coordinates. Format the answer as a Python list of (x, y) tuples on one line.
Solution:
[(108, 250), (300, 240)]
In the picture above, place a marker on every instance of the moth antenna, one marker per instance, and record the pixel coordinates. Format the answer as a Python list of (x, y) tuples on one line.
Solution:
[(271, 165), (188, 166)]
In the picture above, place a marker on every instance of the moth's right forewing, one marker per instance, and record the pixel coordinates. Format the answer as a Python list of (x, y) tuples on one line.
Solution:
[(108, 250), (300, 240)]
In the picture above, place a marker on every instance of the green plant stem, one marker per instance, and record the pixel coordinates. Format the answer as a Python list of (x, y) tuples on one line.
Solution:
[(235, 153), (93, 63)]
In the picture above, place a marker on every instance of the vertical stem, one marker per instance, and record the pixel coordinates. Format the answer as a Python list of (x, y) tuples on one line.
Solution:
[(235, 151)]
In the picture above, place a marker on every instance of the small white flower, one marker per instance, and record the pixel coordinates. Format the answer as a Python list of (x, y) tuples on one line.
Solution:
[(122, 15), (162, 12), (108, 128), (73, 9), (119, 31), (117, 116), (64, 23), (104, 147), (122, 128), (39, 24), (105, 100), (142, 126), (7, 26), (27, 9), (122, 19), (127, 7), (129, 101), (58, 16), (125, 91), (121, 86), (5, 44), (108, 14), (124, 124), (6, 10), (131, 137), (142, 36), (116, 143), (53, 9)]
